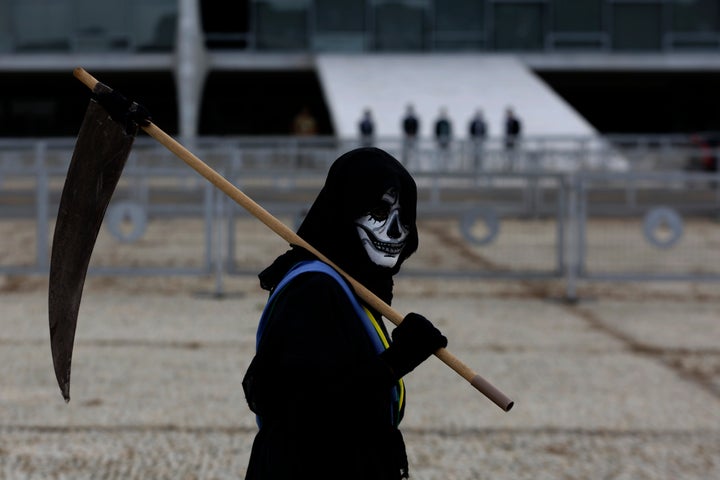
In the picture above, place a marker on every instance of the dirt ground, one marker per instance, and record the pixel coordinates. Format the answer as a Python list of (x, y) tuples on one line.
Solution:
[(622, 384)]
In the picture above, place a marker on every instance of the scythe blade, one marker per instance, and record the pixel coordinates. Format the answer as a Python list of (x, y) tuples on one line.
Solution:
[(100, 153)]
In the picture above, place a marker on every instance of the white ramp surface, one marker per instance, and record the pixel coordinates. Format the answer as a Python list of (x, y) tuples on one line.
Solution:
[(387, 83)]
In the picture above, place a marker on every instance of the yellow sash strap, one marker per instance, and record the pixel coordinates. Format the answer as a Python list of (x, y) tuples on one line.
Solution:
[(384, 340)]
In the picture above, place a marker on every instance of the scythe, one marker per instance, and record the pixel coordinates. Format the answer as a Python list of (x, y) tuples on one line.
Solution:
[(101, 150), (99, 179)]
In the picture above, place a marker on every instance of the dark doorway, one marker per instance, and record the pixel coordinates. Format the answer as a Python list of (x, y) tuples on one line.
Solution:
[(642, 102), (261, 103), (53, 104)]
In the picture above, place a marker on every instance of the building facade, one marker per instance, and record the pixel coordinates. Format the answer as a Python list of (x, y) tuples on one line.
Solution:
[(246, 67)]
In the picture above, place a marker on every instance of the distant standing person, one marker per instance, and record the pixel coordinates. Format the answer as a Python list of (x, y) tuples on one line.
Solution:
[(366, 128), (513, 129), (411, 129), (410, 123), (304, 124), (443, 130), (477, 131)]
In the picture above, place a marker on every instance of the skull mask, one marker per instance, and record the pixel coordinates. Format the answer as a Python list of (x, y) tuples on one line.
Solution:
[(354, 189), (382, 232)]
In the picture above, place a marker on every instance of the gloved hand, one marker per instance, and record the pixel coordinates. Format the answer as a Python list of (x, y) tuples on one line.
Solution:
[(414, 340), (127, 113)]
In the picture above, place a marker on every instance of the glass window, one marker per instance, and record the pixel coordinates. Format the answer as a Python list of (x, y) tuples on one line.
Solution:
[(695, 16), (48, 31), (465, 15), (459, 24), (340, 25), (577, 15), (281, 25), (339, 15), (100, 25), (5, 26), (154, 24), (636, 26), (519, 26), (400, 26)]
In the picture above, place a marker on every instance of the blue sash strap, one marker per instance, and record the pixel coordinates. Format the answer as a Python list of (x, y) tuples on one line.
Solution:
[(376, 336)]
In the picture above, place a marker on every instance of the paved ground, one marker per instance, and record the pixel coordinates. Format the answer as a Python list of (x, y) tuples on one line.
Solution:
[(624, 384)]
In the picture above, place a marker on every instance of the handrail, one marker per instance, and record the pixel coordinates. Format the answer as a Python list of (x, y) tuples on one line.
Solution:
[(616, 152)]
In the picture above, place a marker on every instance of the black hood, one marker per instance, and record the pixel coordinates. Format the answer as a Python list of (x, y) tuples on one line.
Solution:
[(355, 182)]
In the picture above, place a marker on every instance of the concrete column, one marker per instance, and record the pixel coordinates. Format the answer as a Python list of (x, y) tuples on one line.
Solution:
[(190, 68)]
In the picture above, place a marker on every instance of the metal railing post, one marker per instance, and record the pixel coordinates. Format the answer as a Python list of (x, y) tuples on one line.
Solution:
[(573, 239), (42, 252)]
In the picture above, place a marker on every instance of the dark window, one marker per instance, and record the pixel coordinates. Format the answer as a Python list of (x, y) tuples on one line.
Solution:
[(577, 15), (281, 26), (459, 24), (225, 23), (260, 103), (400, 27), (696, 16), (636, 26), (519, 26)]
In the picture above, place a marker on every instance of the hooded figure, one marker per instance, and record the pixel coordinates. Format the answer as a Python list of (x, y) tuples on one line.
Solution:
[(326, 381)]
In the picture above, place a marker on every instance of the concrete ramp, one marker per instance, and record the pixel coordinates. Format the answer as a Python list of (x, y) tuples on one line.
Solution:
[(387, 83)]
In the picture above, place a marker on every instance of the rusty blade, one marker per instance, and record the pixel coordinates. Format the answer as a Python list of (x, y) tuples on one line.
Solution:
[(101, 150)]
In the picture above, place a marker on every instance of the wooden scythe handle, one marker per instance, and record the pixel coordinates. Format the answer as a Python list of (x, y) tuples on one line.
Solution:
[(485, 387)]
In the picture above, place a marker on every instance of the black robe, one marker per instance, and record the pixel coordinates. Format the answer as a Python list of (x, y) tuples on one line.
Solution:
[(322, 391)]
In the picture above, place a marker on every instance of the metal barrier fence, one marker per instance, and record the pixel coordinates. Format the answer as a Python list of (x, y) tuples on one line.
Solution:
[(568, 209), (644, 226)]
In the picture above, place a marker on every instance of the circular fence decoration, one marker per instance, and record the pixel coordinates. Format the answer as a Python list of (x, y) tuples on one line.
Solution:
[(127, 221), (663, 227), (490, 221)]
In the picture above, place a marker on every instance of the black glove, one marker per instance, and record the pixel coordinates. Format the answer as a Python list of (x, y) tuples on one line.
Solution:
[(414, 340), (127, 113)]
